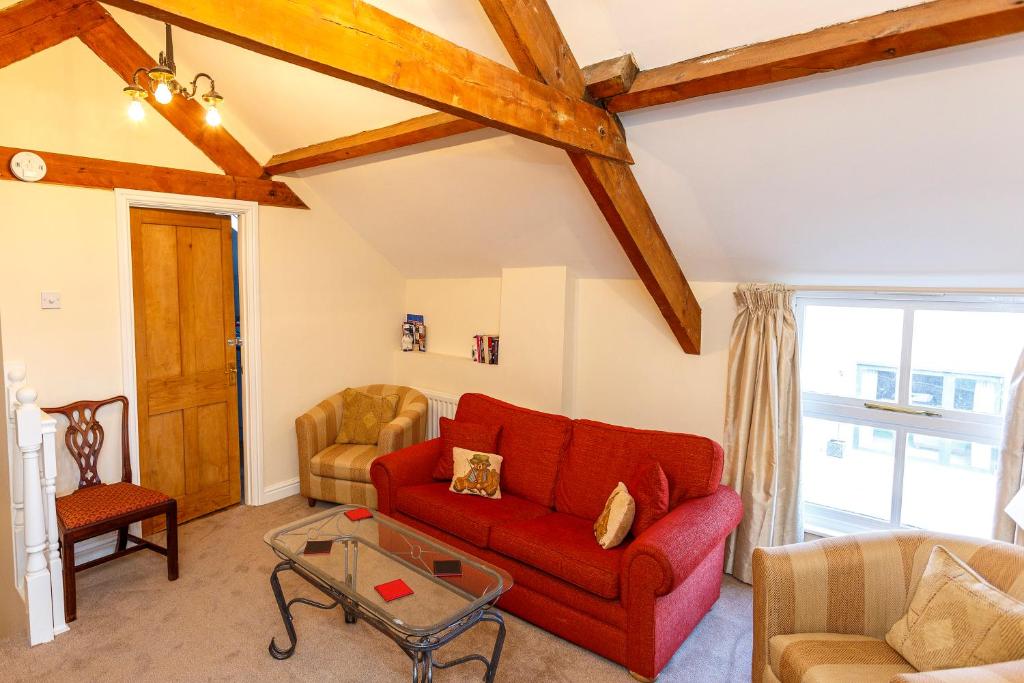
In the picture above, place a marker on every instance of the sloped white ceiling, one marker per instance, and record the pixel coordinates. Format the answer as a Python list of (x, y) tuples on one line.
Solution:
[(906, 172)]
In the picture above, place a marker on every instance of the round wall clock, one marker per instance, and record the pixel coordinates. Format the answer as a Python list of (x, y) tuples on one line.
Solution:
[(28, 166)]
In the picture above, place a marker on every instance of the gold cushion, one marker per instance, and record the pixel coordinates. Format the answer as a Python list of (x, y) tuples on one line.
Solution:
[(616, 519), (834, 658), (477, 474), (363, 414), (958, 619), (346, 461)]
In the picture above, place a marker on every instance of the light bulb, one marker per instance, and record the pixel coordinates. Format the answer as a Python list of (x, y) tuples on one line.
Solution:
[(213, 116), (135, 111), (163, 93)]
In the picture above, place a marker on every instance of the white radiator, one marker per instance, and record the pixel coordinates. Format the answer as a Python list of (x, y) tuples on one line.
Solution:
[(438, 405)]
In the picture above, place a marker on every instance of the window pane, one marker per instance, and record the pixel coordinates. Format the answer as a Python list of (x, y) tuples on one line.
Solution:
[(851, 351), (949, 485), (962, 360), (848, 467)]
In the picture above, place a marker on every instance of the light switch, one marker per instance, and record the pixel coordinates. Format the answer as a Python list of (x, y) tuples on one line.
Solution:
[(49, 300)]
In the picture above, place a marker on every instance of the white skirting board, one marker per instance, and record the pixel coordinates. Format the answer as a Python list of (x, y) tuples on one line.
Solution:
[(280, 490)]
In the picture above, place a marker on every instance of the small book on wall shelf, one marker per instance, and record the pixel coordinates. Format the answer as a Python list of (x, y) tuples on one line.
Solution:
[(485, 349)]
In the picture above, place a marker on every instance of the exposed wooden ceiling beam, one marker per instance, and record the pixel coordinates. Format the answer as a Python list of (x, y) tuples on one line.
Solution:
[(920, 28), (64, 169), (610, 77), (404, 134), (536, 44), (119, 50), (32, 26), (359, 43)]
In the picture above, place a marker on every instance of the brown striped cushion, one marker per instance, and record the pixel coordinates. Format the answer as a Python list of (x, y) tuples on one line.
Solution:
[(834, 658), (345, 461), (1004, 672)]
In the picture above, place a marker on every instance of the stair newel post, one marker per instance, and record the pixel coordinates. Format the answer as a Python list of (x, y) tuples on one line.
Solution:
[(15, 381), (49, 434), (37, 573)]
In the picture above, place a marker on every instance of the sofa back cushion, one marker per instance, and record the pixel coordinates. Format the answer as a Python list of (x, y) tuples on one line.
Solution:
[(532, 444), (601, 455)]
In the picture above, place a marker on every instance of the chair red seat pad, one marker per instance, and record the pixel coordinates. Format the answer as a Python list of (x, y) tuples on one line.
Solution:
[(104, 501)]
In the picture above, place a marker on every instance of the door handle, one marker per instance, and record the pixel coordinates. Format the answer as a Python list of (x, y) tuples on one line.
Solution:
[(231, 370)]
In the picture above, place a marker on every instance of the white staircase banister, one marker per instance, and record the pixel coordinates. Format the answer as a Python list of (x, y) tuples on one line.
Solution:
[(15, 381), (29, 418), (53, 559)]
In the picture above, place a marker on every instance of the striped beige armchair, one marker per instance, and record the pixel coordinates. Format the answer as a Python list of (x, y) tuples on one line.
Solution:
[(340, 473), (822, 609)]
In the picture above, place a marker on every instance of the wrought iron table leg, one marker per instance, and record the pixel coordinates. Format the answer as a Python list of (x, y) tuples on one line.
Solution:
[(286, 615), (422, 667), (499, 642)]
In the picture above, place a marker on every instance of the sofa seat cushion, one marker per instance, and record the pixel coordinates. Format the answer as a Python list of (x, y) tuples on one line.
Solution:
[(531, 443), (471, 518), (347, 461), (831, 657), (602, 455), (563, 546)]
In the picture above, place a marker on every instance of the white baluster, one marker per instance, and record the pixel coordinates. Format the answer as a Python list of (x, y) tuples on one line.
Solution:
[(37, 574), (15, 381), (49, 430)]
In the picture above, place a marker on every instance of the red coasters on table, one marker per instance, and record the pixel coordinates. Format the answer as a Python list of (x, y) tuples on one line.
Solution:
[(358, 513), (392, 590)]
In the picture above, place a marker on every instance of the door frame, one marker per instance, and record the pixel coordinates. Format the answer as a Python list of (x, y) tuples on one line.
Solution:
[(249, 304)]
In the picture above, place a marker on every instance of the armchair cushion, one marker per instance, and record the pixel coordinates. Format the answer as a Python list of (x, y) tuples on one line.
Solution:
[(348, 461), (471, 518), (830, 657), (364, 414), (1004, 672), (563, 546)]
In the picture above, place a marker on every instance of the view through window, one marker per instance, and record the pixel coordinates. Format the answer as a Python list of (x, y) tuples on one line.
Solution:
[(903, 402)]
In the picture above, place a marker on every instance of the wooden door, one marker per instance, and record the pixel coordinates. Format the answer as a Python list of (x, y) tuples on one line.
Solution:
[(182, 278)]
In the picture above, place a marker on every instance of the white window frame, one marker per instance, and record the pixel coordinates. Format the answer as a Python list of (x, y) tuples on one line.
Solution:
[(953, 424)]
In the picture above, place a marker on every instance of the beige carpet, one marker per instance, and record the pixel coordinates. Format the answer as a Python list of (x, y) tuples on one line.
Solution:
[(214, 623)]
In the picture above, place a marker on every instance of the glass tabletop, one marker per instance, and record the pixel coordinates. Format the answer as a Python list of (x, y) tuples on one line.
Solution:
[(367, 553)]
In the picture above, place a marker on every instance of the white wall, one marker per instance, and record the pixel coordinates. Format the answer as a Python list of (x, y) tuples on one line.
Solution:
[(455, 310), (330, 303)]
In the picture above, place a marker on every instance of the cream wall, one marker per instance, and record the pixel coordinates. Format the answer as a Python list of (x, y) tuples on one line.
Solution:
[(455, 309), (590, 348), (533, 326), (330, 302)]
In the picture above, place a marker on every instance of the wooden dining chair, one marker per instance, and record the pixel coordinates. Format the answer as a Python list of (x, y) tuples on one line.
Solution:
[(97, 508)]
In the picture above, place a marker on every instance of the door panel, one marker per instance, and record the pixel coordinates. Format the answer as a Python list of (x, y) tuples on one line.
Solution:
[(184, 315)]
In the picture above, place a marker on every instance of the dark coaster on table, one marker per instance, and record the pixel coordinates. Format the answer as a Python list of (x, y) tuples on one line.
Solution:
[(318, 547), (447, 568)]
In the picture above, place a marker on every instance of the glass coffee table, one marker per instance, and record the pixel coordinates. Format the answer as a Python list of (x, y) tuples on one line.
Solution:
[(367, 553)]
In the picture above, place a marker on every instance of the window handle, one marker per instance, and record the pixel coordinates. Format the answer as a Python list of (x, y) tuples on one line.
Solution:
[(900, 409)]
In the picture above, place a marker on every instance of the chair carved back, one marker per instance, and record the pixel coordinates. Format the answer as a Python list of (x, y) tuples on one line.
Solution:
[(84, 437)]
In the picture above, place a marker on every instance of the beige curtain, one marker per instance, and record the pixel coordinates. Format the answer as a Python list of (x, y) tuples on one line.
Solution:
[(1011, 460), (762, 423)]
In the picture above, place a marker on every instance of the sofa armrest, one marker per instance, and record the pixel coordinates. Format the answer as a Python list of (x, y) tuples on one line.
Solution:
[(405, 467), (316, 429), (991, 673), (407, 429), (664, 555)]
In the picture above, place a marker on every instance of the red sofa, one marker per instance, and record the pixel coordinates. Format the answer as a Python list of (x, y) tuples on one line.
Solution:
[(634, 604)]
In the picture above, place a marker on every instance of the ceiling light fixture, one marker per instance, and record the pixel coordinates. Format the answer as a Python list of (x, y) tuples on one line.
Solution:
[(163, 85)]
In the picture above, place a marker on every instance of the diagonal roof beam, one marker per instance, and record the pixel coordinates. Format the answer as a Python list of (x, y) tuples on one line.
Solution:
[(359, 43), (890, 35), (920, 28), (113, 45), (605, 78), (32, 26), (536, 44)]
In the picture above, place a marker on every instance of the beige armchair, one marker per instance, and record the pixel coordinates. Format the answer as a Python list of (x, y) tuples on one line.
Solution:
[(340, 473), (822, 609)]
